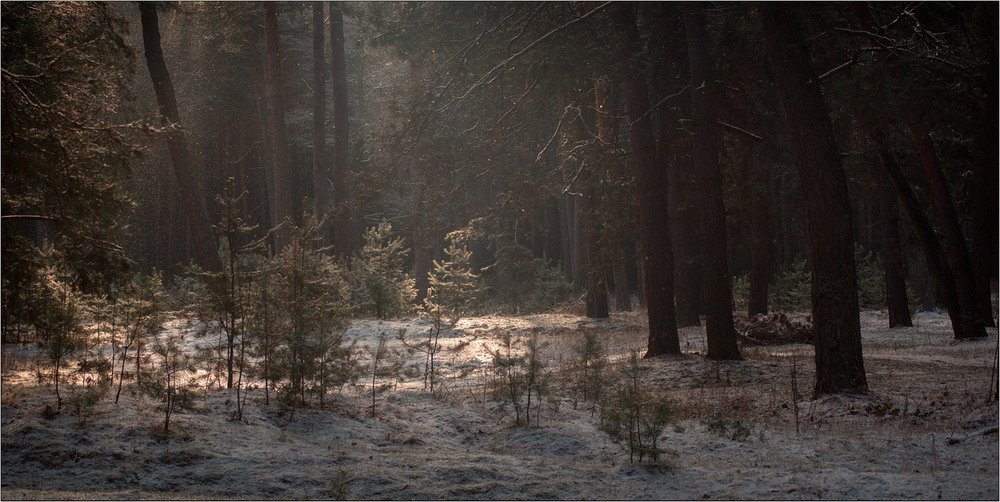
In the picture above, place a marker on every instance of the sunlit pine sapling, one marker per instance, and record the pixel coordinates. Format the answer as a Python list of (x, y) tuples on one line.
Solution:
[(229, 288), (452, 290), (378, 279), (591, 365), (387, 362), (633, 417), (310, 297), (55, 313), (141, 316), (508, 382), (536, 379), (169, 378)]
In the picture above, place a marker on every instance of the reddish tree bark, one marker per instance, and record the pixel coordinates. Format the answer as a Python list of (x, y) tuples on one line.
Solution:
[(937, 263), (975, 306), (839, 364), (718, 294), (651, 182), (199, 228)]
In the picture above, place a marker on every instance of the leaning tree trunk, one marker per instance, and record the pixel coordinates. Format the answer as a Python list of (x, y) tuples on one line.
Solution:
[(343, 217), (934, 255), (839, 364), (718, 293), (975, 307), (651, 183), (199, 228)]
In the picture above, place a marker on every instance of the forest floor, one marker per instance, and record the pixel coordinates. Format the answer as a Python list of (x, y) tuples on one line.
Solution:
[(921, 433)]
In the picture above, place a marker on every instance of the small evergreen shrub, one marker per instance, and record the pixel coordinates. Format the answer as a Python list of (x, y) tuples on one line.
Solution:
[(379, 284), (521, 283), (635, 418)]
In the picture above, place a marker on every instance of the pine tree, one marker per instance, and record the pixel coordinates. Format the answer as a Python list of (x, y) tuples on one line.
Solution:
[(380, 285)]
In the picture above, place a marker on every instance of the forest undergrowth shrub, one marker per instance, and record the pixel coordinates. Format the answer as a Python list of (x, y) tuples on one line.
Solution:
[(519, 377), (590, 366), (520, 283), (379, 284), (634, 417), (310, 307)]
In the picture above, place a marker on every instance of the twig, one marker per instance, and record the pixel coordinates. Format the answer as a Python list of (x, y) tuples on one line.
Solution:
[(980, 432)]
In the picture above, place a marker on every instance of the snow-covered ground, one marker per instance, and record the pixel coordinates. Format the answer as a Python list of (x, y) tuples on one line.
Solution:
[(913, 437)]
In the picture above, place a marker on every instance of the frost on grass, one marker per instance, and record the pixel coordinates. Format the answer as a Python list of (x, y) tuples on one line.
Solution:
[(733, 436)]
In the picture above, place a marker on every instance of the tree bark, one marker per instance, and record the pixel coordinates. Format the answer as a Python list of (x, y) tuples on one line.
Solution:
[(892, 264), (975, 306), (936, 260), (199, 228), (839, 364), (281, 196), (651, 181), (343, 217), (685, 228), (319, 160), (761, 252), (718, 293)]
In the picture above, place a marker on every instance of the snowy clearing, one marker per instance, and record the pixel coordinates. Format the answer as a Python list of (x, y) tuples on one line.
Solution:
[(924, 431)]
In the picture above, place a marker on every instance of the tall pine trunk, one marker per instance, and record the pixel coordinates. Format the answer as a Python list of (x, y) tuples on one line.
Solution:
[(839, 364), (651, 182), (319, 160), (343, 217), (892, 263), (281, 196), (937, 263), (199, 228), (976, 308), (718, 293), (761, 252)]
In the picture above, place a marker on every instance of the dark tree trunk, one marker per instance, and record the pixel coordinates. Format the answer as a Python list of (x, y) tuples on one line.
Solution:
[(718, 293), (281, 197), (685, 228), (956, 249), (620, 261), (343, 217), (597, 288), (651, 182), (839, 364), (934, 255), (892, 264), (976, 307), (199, 228), (985, 212), (761, 251), (319, 160)]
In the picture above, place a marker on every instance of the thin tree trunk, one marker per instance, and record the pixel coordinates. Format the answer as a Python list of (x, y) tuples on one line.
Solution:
[(720, 333), (319, 159), (651, 182), (761, 252), (839, 364), (199, 228), (281, 196), (892, 263), (343, 218)]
